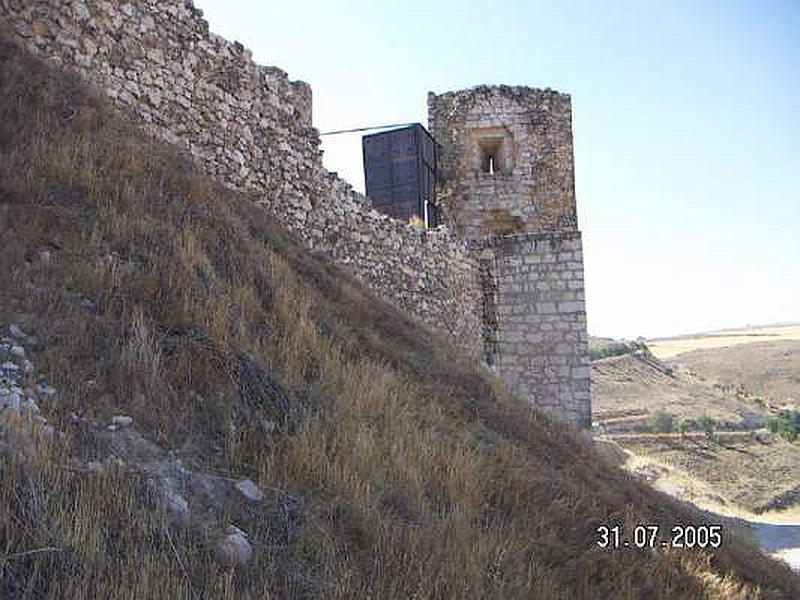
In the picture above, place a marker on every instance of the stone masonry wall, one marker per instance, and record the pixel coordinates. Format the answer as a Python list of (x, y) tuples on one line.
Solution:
[(506, 179), (528, 133), (541, 341), (250, 127)]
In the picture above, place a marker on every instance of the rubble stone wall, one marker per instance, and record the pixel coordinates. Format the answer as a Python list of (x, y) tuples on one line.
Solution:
[(528, 134)]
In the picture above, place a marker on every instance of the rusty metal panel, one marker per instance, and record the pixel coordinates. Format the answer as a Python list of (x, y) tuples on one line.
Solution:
[(400, 172)]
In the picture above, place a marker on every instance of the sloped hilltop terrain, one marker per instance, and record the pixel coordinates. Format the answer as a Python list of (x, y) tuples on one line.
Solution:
[(193, 406), (653, 409), (769, 369)]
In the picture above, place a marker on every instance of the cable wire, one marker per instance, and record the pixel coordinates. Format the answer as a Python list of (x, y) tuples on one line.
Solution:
[(366, 128)]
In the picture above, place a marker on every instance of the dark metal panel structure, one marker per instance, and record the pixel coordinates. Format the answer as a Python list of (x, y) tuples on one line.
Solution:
[(400, 173)]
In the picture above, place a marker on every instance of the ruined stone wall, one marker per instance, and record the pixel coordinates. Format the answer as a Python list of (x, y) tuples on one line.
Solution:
[(528, 134), (158, 60), (431, 274), (541, 344), (250, 127)]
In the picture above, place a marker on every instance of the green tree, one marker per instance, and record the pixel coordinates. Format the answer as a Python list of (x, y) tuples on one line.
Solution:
[(786, 424), (707, 424), (662, 422)]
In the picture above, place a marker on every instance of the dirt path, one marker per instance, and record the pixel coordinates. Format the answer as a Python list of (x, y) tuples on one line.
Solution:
[(736, 376), (777, 532)]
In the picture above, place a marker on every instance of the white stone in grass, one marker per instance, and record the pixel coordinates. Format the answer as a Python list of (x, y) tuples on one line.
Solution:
[(94, 466), (234, 549), (9, 366), (27, 366), (250, 490), (10, 399), (16, 332), (177, 506), (18, 351), (45, 389), (121, 421), (30, 406), (48, 431)]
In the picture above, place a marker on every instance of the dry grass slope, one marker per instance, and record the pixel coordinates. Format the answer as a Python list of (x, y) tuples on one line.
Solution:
[(769, 369), (419, 476)]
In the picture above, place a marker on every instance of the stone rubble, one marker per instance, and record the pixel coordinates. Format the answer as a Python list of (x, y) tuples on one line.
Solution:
[(176, 505), (17, 333), (18, 395), (177, 487), (45, 389)]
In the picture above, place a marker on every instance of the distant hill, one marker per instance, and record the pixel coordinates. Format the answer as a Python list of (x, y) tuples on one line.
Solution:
[(768, 369), (741, 387), (763, 360), (669, 347), (743, 464), (627, 390)]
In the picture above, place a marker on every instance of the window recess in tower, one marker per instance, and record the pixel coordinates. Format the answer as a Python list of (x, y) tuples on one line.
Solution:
[(491, 153), (492, 150)]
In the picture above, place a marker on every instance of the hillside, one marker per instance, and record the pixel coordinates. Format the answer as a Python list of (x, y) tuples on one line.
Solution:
[(219, 414), (628, 389), (752, 472), (770, 369), (743, 466), (669, 347)]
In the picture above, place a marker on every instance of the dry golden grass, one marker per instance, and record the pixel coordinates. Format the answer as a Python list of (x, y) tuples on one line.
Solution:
[(671, 347), (419, 475), (750, 471)]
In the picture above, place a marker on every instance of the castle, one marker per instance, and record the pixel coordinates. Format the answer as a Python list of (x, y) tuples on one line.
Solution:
[(503, 275)]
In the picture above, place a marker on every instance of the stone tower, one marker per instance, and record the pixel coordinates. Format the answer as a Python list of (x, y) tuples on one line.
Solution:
[(506, 181)]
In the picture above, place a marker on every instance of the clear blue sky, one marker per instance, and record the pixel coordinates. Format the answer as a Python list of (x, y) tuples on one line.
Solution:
[(686, 121)]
